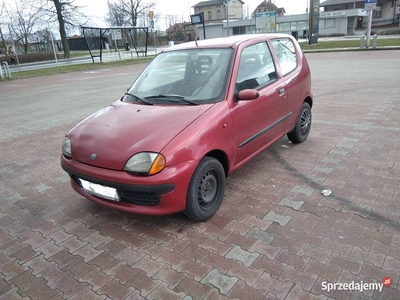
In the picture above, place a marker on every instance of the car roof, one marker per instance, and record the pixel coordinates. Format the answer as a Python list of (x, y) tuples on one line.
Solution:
[(225, 42)]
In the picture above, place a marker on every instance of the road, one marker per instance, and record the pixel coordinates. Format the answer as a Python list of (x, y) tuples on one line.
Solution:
[(275, 236), (121, 55), (106, 57)]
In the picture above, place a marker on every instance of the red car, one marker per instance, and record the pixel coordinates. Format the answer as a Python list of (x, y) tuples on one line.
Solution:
[(196, 113)]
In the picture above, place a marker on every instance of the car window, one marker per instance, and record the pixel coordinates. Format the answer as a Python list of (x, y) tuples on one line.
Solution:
[(256, 67), (198, 75), (286, 53)]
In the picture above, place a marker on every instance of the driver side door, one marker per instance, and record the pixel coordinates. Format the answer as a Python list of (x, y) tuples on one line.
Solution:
[(258, 122)]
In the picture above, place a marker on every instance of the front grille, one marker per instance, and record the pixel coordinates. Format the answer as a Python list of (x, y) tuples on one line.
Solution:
[(139, 198)]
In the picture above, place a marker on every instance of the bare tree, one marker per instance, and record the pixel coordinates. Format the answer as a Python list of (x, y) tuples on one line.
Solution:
[(2, 12), (44, 36), (24, 20), (65, 12), (62, 17), (170, 21), (116, 16), (128, 12)]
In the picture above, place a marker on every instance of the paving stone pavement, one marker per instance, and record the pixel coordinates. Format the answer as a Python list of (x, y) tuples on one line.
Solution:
[(275, 237)]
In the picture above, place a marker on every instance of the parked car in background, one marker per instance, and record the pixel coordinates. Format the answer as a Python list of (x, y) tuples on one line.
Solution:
[(196, 113)]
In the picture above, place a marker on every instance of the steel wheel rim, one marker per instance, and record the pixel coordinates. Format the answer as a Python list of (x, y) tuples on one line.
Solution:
[(208, 189), (305, 122)]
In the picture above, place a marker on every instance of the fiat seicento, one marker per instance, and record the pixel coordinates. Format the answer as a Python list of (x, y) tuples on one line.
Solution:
[(196, 113)]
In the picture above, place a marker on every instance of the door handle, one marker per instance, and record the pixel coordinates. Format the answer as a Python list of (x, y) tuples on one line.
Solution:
[(281, 91)]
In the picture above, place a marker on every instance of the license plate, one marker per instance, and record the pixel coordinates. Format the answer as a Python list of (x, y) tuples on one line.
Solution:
[(100, 190)]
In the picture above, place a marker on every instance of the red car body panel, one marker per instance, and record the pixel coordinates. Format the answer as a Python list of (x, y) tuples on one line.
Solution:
[(179, 174), (183, 156), (121, 129), (184, 134)]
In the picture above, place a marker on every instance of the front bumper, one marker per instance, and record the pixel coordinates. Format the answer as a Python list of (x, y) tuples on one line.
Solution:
[(160, 194)]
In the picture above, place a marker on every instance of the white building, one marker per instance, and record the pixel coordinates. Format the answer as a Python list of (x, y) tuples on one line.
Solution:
[(337, 17), (387, 12)]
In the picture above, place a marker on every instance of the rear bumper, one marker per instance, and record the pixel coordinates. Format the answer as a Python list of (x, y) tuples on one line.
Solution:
[(160, 194)]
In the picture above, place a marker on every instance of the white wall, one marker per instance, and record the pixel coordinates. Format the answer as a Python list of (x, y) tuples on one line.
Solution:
[(340, 27)]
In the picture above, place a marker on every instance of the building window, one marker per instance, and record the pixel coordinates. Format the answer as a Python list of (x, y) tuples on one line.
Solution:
[(210, 15), (378, 12), (329, 23), (219, 16), (302, 25), (282, 27), (239, 30)]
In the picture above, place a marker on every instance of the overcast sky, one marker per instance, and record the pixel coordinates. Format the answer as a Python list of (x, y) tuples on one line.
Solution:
[(183, 8)]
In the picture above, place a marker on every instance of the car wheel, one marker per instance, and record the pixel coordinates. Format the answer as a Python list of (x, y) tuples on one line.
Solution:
[(303, 125), (206, 190)]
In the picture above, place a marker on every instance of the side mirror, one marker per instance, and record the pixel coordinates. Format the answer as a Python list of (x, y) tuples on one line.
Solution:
[(247, 94)]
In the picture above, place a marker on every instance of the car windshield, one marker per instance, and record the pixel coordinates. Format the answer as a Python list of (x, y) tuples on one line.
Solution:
[(187, 77)]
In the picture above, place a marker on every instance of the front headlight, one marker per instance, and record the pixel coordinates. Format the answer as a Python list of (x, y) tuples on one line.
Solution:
[(66, 147), (145, 163)]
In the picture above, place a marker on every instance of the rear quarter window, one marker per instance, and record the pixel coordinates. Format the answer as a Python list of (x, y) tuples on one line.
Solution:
[(286, 54)]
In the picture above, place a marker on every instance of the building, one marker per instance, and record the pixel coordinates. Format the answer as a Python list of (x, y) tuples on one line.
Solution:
[(181, 32), (387, 12), (268, 5), (215, 10), (337, 17)]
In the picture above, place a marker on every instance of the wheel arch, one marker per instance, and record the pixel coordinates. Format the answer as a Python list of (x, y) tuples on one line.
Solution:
[(221, 157), (309, 101)]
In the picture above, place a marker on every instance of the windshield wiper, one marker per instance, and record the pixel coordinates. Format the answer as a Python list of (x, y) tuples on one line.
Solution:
[(138, 99), (171, 98)]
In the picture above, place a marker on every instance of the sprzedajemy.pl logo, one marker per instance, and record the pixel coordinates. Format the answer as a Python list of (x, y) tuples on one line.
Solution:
[(356, 286)]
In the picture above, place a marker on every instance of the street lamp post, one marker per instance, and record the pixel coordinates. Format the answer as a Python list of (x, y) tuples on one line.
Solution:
[(54, 47)]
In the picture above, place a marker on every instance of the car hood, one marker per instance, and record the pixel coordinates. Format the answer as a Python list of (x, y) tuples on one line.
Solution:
[(109, 137)]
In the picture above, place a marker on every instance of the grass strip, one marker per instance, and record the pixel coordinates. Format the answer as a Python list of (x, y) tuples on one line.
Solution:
[(381, 42), (322, 45), (78, 67)]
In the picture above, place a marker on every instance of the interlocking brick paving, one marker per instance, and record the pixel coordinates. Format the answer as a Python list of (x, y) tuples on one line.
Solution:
[(275, 237)]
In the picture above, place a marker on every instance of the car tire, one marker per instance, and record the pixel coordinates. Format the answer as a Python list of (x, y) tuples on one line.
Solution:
[(206, 190), (303, 125)]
